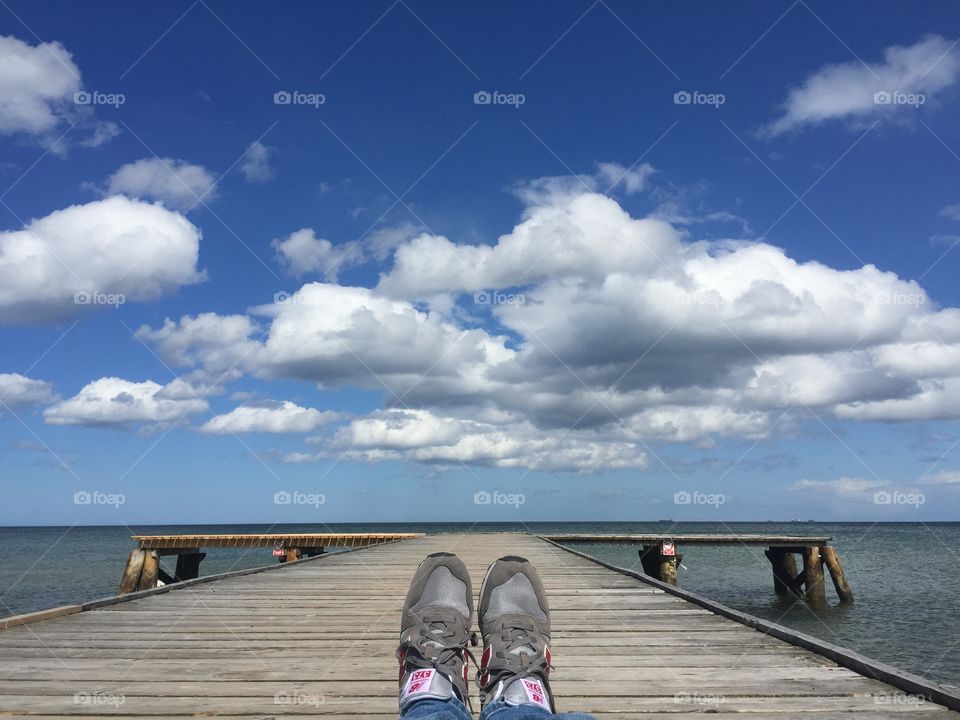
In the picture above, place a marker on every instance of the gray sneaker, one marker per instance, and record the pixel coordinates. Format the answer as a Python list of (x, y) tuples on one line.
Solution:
[(515, 624), (435, 631)]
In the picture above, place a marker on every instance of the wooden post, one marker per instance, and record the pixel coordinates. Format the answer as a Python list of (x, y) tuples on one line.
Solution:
[(668, 569), (188, 565), (784, 569), (151, 567), (656, 564), (832, 562), (291, 555), (131, 573), (813, 576)]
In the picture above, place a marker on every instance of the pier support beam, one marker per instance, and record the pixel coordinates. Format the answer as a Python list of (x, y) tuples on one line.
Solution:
[(813, 587), (784, 570), (150, 572), (131, 573), (188, 566), (832, 562), (656, 564)]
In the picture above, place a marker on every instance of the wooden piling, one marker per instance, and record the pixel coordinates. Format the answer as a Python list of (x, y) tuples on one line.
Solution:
[(832, 561), (131, 573), (151, 568), (813, 576), (188, 565), (784, 569)]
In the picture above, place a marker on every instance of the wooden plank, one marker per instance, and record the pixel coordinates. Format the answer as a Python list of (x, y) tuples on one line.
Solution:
[(27, 618), (317, 639)]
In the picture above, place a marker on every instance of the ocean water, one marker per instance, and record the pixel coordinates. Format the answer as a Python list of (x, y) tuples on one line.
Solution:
[(905, 576)]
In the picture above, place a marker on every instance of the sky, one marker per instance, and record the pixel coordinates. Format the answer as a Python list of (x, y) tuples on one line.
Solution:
[(423, 261)]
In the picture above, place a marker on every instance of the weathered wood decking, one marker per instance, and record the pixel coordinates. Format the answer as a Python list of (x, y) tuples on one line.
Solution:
[(317, 637)]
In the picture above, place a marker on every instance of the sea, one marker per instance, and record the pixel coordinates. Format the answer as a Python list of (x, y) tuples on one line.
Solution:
[(905, 576)]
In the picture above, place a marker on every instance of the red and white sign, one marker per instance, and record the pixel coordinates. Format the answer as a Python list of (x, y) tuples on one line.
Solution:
[(278, 550), (668, 548)]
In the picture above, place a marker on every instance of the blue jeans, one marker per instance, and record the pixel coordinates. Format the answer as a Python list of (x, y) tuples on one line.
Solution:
[(453, 709)]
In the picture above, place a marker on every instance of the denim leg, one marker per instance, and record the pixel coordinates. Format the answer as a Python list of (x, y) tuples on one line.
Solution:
[(431, 709), (502, 711)]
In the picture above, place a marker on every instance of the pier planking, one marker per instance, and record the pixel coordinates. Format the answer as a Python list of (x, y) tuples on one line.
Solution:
[(318, 637)]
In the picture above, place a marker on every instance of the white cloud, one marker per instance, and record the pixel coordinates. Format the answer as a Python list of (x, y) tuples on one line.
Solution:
[(176, 183), (632, 180), (303, 252), (17, 390), (421, 436), (283, 417), (947, 477), (114, 246), (256, 165), (113, 402), (951, 211), (627, 333), (37, 84), (844, 487), (848, 91)]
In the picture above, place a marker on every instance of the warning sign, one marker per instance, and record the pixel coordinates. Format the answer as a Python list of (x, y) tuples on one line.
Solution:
[(668, 548)]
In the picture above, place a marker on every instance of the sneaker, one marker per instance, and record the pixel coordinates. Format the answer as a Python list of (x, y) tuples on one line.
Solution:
[(515, 624), (435, 630)]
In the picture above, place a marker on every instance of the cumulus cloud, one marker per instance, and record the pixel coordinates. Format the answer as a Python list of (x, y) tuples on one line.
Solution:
[(17, 390), (632, 180), (863, 92), (55, 266), (39, 84), (302, 252), (118, 403), (176, 183), (255, 165), (599, 332), (281, 417)]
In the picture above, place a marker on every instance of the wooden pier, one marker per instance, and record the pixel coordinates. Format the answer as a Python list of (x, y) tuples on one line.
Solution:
[(660, 557), (317, 637)]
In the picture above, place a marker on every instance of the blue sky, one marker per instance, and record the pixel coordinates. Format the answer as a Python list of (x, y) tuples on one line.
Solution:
[(588, 295)]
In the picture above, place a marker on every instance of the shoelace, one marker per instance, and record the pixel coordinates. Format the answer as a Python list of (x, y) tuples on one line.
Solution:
[(445, 645), (515, 635)]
